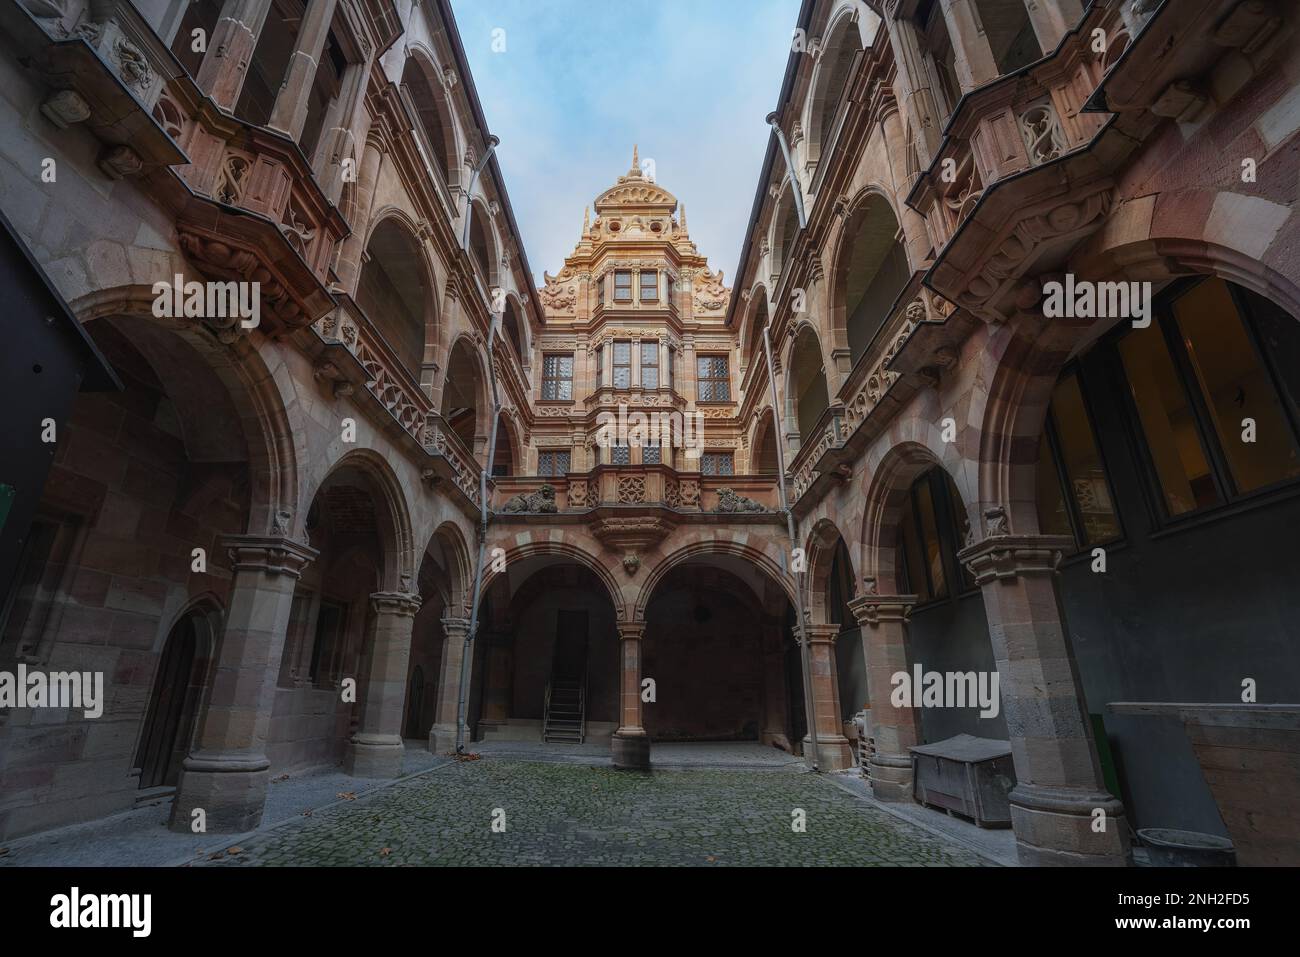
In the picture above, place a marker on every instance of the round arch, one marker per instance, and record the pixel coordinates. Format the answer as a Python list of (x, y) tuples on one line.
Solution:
[(433, 110), (808, 393), (1018, 399), (870, 269), (563, 552), (267, 431), (767, 559), (824, 539), (392, 513), (396, 288), (483, 244), (464, 401), (830, 76)]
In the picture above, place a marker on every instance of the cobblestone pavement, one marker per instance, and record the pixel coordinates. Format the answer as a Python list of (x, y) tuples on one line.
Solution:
[(575, 815)]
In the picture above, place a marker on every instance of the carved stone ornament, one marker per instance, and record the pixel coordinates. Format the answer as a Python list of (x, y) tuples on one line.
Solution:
[(631, 563), (543, 500)]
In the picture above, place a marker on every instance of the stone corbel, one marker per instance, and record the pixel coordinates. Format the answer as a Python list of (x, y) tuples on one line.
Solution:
[(1002, 556)]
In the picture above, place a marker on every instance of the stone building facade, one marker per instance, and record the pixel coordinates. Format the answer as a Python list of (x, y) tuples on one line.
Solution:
[(887, 448)]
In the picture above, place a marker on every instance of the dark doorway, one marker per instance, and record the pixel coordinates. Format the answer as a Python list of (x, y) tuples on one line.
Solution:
[(415, 704), (570, 660), (173, 704)]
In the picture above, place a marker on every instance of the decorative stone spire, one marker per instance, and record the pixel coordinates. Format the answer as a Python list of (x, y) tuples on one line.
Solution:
[(681, 216), (636, 163), (586, 222)]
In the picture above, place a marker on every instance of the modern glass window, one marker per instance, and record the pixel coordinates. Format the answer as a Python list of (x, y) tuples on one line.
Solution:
[(620, 455), (1074, 495), (553, 462), (1218, 420), (649, 285), (622, 365), (650, 455), (717, 463), (932, 529), (715, 383), (622, 285), (557, 377), (650, 365)]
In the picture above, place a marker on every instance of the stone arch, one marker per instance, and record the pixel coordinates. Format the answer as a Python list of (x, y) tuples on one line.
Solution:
[(808, 392), (508, 457), (785, 230), (465, 403), (433, 111), (763, 443), (886, 501), (870, 270), (563, 551), (1024, 362), (514, 328), (484, 248), (396, 289), (820, 548), (268, 433), (843, 41), (766, 557), (391, 511), (756, 317)]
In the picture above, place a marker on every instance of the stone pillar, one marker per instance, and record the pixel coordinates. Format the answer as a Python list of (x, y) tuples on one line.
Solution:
[(914, 92), (290, 112), (1059, 785), (834, 753), (375, 751), (230, 50), (630, 746), (884, 645), (442, 736), (349, 267), (1051, 20), (227, 772), (974, 57)]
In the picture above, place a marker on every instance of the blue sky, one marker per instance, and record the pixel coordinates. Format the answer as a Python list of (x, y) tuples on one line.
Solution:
[(580, 81)]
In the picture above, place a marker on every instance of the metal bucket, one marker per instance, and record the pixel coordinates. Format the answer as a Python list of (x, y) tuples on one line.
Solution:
[(1170, 847)]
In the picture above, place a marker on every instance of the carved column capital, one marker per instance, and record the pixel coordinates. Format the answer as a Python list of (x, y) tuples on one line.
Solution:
[(1004, 557), (874, 610), (455, 627), (395, 603), (270, 554), (631, 630)]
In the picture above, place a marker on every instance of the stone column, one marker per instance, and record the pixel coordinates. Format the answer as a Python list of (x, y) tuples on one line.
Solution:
[(375, 751), (290, 112), (349, 266), (442, 736), (914, 92), (1051, 20), (834, 753), (884, 645), (629, 745), (974, 57), (230, 50), (1059, 789), (227, 772)]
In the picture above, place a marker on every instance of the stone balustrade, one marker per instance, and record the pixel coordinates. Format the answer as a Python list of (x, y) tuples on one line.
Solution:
[(651, 485)]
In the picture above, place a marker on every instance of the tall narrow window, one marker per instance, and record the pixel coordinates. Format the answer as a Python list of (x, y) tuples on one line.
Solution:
[(622, 285), (600, 366), (270, 62), (557, 377), (715, 383), (622, 365), (1074, 493), (650, 365), (326, 86), (932, 530), (650, 455), (649, 285), (199, 15)]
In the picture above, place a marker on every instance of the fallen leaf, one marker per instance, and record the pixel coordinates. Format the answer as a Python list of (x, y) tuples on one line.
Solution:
[(385, 851), (283, 777), (710, 859), (307, 813), (232, 851), (347, 795), (213, 857), (3, 851)]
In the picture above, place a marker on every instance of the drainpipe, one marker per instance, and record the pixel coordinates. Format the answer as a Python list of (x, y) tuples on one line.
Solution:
[(795, 187), (800, 635), (485, 514)]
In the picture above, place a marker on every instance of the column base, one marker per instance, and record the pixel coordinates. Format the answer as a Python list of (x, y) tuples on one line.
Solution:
[(374, 756), (834, 753), (891, 778), (1055, 827), (442, 739), (630, 749), (229, 789)]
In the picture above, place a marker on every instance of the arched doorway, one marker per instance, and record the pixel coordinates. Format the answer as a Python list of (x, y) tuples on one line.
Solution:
[(174, 702)]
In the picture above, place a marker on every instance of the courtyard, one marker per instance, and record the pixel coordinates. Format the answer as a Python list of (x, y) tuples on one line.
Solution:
[(521, 812)]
